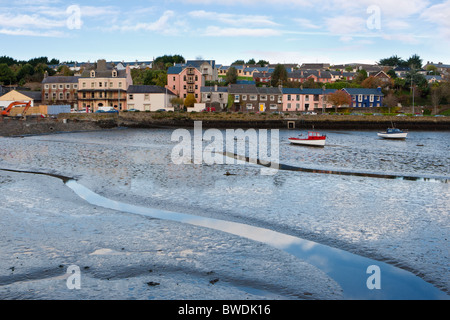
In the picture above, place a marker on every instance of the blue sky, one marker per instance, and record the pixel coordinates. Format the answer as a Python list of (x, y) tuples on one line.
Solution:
[(280, 31)]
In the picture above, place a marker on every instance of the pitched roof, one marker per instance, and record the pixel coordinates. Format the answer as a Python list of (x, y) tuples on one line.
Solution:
[(148, 89), (352, 91), (61, 79), (307, 91)]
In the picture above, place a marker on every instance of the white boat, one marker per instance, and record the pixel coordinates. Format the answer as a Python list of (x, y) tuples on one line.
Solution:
[(393, 133), (314, 139)]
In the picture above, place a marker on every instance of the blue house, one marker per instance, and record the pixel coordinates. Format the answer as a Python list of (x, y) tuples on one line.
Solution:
[(365, 98)]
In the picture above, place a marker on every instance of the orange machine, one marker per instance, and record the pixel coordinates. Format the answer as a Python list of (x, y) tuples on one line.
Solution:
[(5, 113)]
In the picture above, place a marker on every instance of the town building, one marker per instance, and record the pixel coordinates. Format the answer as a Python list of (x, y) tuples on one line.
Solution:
[(306, 100), (249, 98), (103, 85), (215, 98), (365, 98), (184, 80), (60, 90), (20, 96), (149, 98)]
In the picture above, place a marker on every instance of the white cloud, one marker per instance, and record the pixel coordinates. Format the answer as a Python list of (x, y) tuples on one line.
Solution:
[(160, 25), (438, 15), (240, 32), (305, 23), (234, 19)]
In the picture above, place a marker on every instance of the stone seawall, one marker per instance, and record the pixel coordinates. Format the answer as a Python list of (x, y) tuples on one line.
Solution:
[(89, 122), (14, 127)]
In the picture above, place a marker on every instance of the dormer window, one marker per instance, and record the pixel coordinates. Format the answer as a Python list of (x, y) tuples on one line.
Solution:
[(114, 73), (92, 74)]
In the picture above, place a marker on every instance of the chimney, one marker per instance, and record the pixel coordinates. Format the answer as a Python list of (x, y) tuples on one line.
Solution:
[(101, 65)]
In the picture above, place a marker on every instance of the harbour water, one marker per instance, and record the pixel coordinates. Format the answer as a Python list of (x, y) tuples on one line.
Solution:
[(385, 201)]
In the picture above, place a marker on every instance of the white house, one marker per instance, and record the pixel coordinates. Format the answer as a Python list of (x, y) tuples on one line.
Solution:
[(149, 98)]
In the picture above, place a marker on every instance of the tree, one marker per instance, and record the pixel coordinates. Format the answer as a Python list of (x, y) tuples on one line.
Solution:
[(232, 75), (175, 101), (190, 101), (238, 62), (262, 63), (251, 61), (279, 75), (393, 61), (414, 62), (6, 74), (339, 98), (390, 101)]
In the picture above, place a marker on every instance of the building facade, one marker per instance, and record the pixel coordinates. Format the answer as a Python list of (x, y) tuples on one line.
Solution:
[(149, 98), (306, 100), (60, 90), (184, 80), (365, 98), (103, 86), (249, 98)]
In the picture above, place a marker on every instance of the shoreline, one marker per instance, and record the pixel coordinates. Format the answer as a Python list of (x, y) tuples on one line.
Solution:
[(143, 120)]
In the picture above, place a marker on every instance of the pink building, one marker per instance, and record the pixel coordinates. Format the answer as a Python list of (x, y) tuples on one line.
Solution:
[(304, 100), (183, 80)]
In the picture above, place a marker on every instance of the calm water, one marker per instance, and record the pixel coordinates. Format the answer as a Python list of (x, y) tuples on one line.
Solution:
[(402, 222)]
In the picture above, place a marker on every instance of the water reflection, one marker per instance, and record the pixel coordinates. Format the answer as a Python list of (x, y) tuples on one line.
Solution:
[(345, 268)]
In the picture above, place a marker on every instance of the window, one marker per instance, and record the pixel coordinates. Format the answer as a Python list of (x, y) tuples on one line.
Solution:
[(249, 106), (75, 86), (100, 94), (92, 84), (110, 84), (46, 86), (100, 84), (92, 74), (244, 97), (360, 98), (297, 106), (272, 98), (84, 85), (53, 86), (289, 97), (46, 96), (67, 96), (54, 96), (307, 98), (371, 99), (288, 105), (253, 97), (236, 98), (146, 96), (61, 86), (146, 107), (84, 95), (67, 86), (120, 84), (114, 73), (130, 96), (297, 97)]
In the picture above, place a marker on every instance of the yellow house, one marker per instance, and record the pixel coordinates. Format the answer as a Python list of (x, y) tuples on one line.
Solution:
[(8, 98)]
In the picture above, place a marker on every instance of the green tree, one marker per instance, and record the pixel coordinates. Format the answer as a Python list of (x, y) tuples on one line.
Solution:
[(393, 61), (262, 63), (279, 75), (251, 61), (238, 62), (232, 75), (6, 74), (414, 62)]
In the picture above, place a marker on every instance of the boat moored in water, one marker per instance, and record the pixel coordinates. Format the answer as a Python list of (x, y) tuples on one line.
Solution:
[(314, 139), (393, 133)]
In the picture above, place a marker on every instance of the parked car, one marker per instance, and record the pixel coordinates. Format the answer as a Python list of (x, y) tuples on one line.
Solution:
[(132, 110)]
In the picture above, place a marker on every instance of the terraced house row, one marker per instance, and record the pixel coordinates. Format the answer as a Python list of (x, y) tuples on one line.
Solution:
[(105, 85)]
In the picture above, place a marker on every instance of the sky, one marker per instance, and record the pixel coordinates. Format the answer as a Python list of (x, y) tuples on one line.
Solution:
[(278, 31)]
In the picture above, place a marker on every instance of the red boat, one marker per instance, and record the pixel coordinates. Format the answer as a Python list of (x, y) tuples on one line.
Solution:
[(313, 139)]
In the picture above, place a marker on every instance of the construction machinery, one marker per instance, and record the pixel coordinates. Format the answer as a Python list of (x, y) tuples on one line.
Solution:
[(6, 112)]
